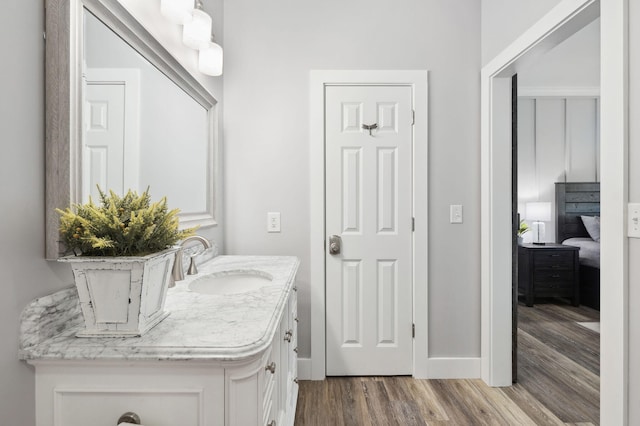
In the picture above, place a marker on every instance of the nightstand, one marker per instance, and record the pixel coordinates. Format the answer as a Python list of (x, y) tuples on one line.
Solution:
[(550, 270)]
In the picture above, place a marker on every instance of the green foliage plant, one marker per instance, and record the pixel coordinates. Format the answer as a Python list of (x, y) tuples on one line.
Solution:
[(120, 226), (523, 228)]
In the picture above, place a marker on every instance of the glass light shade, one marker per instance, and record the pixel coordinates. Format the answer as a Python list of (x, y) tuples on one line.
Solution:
[(539, 211), (196, 33), (177, 11), (210, 60)]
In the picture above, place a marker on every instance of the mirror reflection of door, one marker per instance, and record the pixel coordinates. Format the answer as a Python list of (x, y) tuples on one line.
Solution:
[(110, 138)]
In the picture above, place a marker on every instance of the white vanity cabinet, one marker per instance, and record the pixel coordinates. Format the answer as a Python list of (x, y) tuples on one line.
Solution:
[(178, 374), (273, 388)]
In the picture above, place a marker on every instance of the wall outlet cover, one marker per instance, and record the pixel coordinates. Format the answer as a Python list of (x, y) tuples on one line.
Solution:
[(273, 222)]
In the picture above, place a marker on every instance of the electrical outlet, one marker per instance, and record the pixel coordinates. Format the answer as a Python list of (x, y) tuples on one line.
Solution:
[(634, 220), (455, 213), (273, 222)]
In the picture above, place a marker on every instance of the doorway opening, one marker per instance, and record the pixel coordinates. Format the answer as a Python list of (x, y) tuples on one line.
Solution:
[(496, 269)]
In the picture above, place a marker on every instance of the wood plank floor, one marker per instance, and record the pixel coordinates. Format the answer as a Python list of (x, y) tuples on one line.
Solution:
[(558, 384)]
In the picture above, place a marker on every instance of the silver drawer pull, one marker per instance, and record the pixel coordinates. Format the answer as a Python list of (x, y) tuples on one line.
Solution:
[(295, 350), (271, 423), (287, 337), (129, 417), (271, 368), (295, 288), (295, 380), (296, 319)]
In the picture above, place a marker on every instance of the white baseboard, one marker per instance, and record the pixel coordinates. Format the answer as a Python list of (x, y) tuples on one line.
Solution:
[(304, 368), (438, 368), (453, 368)]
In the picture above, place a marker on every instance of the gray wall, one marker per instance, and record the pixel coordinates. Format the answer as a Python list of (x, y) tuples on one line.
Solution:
[(504, 20), (270, 49), (573, 63), (25, 273)]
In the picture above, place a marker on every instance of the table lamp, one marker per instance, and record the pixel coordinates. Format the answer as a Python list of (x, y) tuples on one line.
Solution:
[(538, 212)]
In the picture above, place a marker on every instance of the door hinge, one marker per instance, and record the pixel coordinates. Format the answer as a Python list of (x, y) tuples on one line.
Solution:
[(413, 331), (413, 117), (413, 224)]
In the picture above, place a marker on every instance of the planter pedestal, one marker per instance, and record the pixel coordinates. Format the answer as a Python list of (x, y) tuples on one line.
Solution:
[(122, 296)]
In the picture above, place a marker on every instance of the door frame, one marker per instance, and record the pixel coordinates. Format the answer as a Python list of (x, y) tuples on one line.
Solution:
[(319, 79), (560, 23)]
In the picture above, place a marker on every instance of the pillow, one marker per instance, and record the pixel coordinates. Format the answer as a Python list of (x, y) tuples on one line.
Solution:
[(592, 224)]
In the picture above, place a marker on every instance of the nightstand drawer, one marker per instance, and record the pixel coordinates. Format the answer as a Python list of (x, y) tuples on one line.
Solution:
[(555, 259), (553, 285), (550, 275)]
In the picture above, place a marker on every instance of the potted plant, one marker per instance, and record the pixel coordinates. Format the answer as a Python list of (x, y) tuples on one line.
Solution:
[(522, 229), (121, 255)]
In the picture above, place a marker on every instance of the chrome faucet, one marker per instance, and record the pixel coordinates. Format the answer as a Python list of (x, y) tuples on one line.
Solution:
[(177, 273)]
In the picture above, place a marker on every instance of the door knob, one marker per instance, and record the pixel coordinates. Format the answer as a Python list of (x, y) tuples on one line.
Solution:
[(335, 244)]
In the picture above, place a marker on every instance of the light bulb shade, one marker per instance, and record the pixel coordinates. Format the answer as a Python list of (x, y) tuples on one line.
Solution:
[(210, 60), (196, 33), (177, 11), (539, 211)]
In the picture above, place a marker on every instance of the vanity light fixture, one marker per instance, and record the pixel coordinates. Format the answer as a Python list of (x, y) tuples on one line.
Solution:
[(196, 33), (177, 11), (210, 59)]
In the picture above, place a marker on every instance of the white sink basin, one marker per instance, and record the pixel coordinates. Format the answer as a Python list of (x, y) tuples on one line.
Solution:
[(230, 282)]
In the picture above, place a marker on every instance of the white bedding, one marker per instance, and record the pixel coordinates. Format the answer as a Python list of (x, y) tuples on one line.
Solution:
[(589, 250)]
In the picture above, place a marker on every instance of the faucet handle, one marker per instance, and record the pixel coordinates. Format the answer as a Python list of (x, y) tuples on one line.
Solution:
[(192, 266)]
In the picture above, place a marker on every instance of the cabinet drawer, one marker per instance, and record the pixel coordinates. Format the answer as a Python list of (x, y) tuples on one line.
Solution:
[(541, 287), (554, 259), (551, 275)]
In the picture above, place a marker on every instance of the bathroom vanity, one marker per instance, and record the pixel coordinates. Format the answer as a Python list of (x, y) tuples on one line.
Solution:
[(226, 354)]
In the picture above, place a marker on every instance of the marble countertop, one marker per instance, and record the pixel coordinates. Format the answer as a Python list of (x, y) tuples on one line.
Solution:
[(199, 327)]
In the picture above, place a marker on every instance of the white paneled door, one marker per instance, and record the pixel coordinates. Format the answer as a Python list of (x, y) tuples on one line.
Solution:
[(369, 216), (104, 139)]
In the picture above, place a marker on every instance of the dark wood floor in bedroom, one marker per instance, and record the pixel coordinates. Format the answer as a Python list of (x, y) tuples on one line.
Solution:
[(558, 384)]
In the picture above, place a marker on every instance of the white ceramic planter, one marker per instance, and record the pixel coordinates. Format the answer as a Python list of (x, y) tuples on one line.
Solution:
[(122, 296)]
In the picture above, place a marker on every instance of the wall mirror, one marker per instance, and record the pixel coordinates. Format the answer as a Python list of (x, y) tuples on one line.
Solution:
[(122, 113)]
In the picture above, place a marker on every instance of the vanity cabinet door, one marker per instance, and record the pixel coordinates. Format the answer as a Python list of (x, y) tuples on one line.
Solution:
[(292, 370), (80, 394)]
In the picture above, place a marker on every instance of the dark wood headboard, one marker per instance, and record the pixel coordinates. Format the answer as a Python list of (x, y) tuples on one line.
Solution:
[(575, 199)]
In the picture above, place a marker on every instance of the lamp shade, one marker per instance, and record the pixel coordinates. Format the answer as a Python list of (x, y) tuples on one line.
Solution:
[(210, 60), (177, 11), (538, 211), (196, 33)]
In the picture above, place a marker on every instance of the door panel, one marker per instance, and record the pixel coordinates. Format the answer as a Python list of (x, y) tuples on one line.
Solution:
[(369, 205), (104, 139)]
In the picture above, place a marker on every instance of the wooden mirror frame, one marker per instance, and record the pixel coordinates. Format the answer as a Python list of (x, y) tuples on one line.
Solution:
[(63, 101)]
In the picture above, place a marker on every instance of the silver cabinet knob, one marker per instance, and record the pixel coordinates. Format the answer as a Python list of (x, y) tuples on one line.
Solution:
[(129, 417)]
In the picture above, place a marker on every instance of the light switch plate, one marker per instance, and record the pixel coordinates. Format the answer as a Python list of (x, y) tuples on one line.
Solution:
[(634, 220), (455, 213), (273, 222)]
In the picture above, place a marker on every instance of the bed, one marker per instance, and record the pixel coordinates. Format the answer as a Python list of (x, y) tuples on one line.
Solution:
[(574, 200)]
